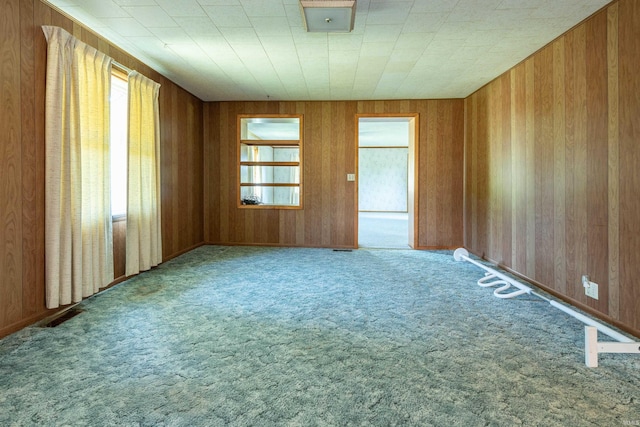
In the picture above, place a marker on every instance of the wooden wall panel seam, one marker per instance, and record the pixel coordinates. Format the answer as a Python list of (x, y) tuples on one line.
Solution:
[(613, 161), (559, 252), (31, 297)]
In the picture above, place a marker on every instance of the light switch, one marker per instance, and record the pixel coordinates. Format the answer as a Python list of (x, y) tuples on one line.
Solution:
[(351, 177)]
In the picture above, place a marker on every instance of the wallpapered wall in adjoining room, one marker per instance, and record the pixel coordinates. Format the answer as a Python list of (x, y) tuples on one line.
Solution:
[(383, 168), (382, 179)]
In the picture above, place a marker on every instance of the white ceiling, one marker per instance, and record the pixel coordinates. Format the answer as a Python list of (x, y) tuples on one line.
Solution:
[(399, 49)]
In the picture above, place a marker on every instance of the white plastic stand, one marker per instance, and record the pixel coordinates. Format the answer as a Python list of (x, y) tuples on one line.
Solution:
[(592, 347)]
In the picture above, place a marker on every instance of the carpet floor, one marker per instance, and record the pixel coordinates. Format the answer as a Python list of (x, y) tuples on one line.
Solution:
[(245, 336)]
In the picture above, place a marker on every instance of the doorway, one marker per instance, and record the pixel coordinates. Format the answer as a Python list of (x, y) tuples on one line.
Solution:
[(386, 156)]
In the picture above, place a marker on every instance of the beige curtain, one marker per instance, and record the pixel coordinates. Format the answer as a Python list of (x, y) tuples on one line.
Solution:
[(144, 238), (78, 228)]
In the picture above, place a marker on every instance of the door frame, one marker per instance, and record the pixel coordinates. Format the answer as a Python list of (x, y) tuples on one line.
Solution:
[(412, 171)]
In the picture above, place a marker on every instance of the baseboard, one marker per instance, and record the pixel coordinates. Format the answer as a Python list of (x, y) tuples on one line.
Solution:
[(184, 251), (280, 245), (436, 248), (29, 321)]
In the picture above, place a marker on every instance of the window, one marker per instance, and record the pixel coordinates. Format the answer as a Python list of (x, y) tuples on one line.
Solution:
[(119, 104), (270, 161)]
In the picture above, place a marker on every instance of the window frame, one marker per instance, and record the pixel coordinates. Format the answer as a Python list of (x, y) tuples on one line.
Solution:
[(289, 143)]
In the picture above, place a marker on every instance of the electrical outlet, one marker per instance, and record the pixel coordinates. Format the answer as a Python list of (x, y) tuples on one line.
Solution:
[(591, 289), (351, 177)]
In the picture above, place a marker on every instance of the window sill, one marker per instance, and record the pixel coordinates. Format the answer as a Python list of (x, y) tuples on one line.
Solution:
[(119, 218), (279, 207)]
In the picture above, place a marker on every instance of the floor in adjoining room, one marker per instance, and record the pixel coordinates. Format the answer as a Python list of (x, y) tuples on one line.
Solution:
[(385, 230)]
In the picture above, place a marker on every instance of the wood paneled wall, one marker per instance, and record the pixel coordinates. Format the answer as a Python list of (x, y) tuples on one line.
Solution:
[(329, 215), (22, 78), (552, 155)]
